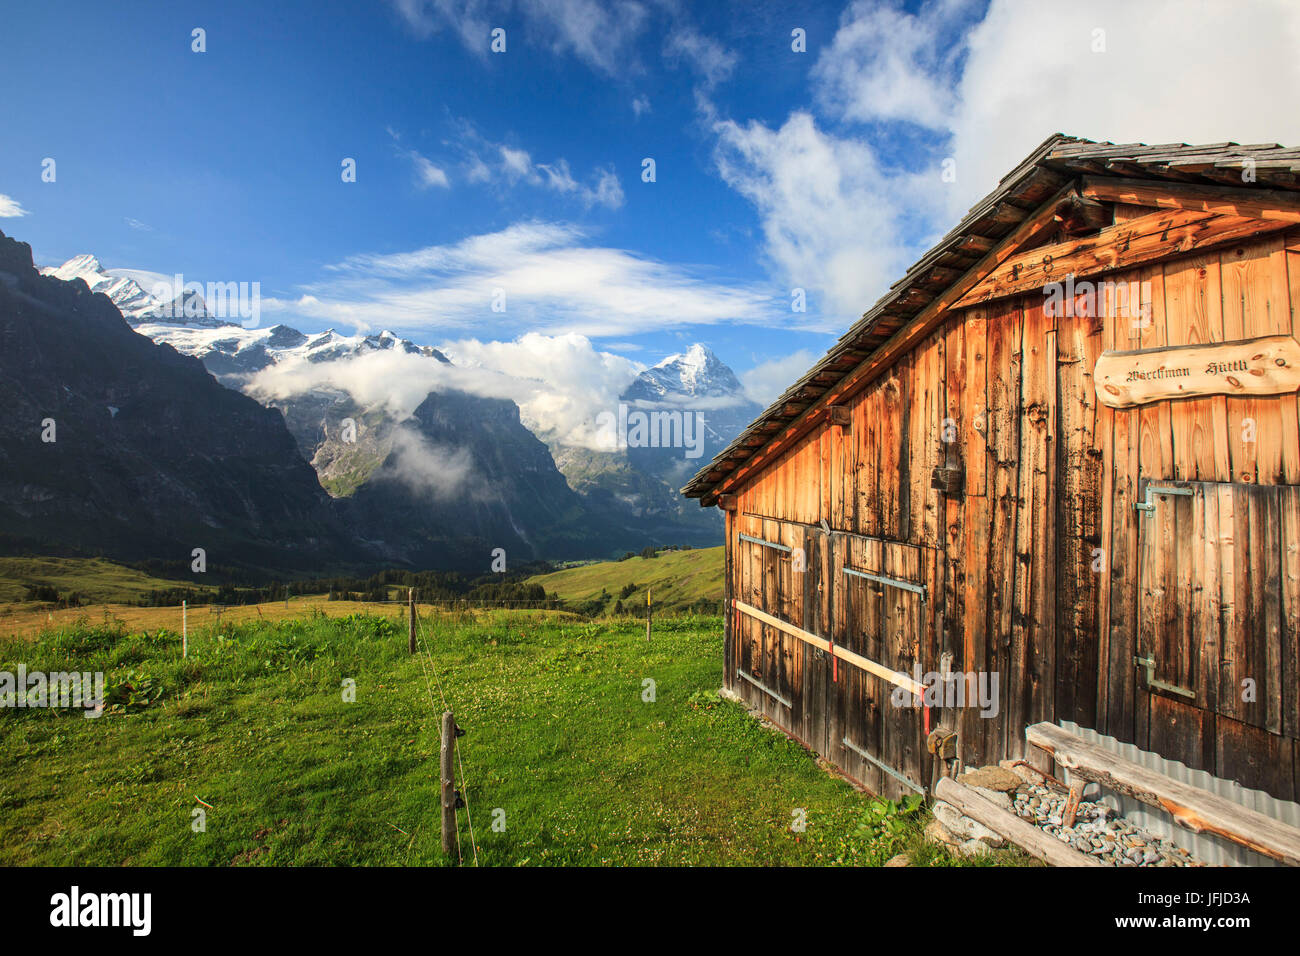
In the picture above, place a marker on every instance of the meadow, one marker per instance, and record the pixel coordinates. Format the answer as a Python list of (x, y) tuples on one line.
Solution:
[(584, 745), (678, 580)]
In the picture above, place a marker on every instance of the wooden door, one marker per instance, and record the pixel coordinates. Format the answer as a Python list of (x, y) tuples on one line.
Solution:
[(884, 619), (1219, 598)]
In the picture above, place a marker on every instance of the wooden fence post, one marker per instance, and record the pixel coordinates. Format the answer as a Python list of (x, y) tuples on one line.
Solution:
[(649, 613), (448, 783), (410, 603), (185, 629)]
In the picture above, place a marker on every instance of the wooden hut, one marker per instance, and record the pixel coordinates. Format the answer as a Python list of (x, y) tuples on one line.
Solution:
[(1060, 456)]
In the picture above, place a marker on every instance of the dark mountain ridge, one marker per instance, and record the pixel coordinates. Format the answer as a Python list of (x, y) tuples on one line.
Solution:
[(151, 457)]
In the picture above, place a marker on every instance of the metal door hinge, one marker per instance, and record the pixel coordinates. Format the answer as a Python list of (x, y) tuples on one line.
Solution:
[(1148, 507), (1152, 683)]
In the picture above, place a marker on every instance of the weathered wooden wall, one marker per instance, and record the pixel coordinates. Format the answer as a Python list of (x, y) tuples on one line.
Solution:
[(1033, 571)]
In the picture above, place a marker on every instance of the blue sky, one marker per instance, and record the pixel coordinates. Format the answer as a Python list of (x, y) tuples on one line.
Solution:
[(522, 170)]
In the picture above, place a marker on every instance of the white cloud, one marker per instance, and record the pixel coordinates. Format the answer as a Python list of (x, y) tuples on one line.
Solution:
[(765, 381), (605, 192), (428, 468), (551, 281), (138, 225), (515, 163), (511, 165), (560, 383), (427, 174), (640, 105), (708, 58), (11, 208), (831, 213), (599, 34), (887, 64), (468, 18), (1030, 72), (849, 198)]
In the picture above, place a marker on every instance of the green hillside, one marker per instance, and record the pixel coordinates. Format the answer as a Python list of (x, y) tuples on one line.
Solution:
[(96, 580), (679, 580)]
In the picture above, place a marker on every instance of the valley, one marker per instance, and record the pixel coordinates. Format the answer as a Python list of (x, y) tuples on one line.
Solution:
[(382, 452)]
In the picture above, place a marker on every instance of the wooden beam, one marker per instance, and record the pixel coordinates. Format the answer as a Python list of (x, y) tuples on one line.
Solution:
[(1191, 807), (1221, 200), (1006, 824), (976, 244), (857, 660), (919, 326), (727, 502), (840, 415), (1086, 215), (1156, 235)]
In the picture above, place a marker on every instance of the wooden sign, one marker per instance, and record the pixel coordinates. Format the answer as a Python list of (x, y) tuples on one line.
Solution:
[(1263, 366)]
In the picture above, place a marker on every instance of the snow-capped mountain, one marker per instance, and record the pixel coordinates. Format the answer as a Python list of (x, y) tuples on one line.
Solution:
[(696, 384), (315, 415), (696, 373), (234, 350), (697, 381), (351, 442), (135, 303), (153, 456), (456, 466)]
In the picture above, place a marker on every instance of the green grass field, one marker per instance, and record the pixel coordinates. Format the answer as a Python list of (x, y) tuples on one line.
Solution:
[(98, 581), (679, 580), (561, 751)]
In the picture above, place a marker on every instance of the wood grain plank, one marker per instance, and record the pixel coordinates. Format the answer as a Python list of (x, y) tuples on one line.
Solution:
[(1256, 302), (1006, 330), (1194, 310), (1077, 515), (1289, 549)]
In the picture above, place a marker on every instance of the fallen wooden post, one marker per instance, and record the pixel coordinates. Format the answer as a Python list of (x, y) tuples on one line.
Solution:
[(1191, 807), (1006, 824)]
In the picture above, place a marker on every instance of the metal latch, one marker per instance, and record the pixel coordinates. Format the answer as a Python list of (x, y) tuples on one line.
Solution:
[(950, 481), (1148, 507), (1150, 664)]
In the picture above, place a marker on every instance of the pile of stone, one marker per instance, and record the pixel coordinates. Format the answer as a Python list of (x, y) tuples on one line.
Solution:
[(1097, 830)]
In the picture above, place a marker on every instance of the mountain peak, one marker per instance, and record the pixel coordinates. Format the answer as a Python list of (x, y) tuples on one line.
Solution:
[(695, 373), (80, 265), (697, 355), (136, 305)]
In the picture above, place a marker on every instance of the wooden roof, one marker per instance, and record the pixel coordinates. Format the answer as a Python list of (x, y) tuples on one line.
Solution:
[(1042, 175)]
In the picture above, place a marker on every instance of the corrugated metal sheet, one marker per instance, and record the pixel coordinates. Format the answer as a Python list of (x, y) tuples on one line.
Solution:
[(1209, 849)]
